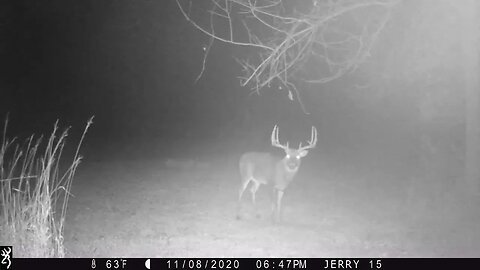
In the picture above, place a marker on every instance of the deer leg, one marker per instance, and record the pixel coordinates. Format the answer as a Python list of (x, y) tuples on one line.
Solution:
[(278, 205), (253, 190), (274, 203), (242, 189)]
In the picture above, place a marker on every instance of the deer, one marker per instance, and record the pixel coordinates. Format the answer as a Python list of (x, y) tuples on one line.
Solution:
[(263, 168)]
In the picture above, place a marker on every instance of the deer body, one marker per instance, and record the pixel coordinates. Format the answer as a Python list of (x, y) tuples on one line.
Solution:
[(265, 169)]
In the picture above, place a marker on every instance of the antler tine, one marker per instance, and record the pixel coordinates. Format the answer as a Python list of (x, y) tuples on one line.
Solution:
[(314, 135), (275, 141), (312, 142), (274, 135)]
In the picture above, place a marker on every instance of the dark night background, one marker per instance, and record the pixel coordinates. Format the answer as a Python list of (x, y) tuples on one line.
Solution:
[(133, 65)]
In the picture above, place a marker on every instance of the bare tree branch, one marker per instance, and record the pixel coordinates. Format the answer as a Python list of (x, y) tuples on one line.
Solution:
[(315, 43)]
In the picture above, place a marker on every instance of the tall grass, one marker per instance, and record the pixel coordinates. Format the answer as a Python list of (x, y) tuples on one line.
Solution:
[(34, 192)]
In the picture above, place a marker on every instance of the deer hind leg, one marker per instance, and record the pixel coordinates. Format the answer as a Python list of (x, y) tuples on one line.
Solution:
[(242, 189), (253, 190), (277, 205)]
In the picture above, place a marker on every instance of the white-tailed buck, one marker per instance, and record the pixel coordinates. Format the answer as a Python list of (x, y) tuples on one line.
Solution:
[(264, 168)]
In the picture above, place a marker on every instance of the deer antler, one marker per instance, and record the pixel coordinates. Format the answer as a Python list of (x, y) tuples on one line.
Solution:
[(275, 141), (312, 142)]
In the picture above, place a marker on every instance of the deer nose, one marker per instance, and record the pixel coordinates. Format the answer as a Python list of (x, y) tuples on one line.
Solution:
[(292, 165)]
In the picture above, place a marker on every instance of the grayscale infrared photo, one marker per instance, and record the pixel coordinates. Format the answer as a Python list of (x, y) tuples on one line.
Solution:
[(240, 129)]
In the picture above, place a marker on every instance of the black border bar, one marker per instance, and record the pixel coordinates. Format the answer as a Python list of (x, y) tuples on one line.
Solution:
[(246, 263)]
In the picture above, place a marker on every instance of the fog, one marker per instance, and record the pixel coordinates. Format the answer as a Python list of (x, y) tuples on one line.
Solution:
[(387, 168)]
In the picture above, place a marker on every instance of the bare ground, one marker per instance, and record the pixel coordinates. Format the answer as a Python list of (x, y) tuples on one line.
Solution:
[(185, 208)]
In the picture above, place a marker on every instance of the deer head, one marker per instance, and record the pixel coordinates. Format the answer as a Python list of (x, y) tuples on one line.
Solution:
[(293, 156)]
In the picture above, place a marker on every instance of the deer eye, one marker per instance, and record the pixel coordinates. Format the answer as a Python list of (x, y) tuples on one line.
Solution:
[(288, 156), (298, 157)]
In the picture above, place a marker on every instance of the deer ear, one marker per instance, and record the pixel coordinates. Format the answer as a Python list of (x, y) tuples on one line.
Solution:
[(303, 153)]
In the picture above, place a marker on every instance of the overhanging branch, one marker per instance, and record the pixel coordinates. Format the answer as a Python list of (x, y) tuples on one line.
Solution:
[(316, 43)]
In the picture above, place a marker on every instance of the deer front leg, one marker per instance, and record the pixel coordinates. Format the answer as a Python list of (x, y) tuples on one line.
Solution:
[(277, 205)]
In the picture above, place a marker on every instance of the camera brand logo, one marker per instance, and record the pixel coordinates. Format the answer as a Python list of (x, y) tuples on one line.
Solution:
[(6, 257)]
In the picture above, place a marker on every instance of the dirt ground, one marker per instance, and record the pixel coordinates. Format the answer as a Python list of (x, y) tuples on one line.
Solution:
[(186, 208)]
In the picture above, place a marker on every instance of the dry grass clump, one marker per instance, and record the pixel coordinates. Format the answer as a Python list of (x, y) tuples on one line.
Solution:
[(34, 193)]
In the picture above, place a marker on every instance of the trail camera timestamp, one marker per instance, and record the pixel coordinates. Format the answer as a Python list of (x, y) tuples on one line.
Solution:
[(281, 264)]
